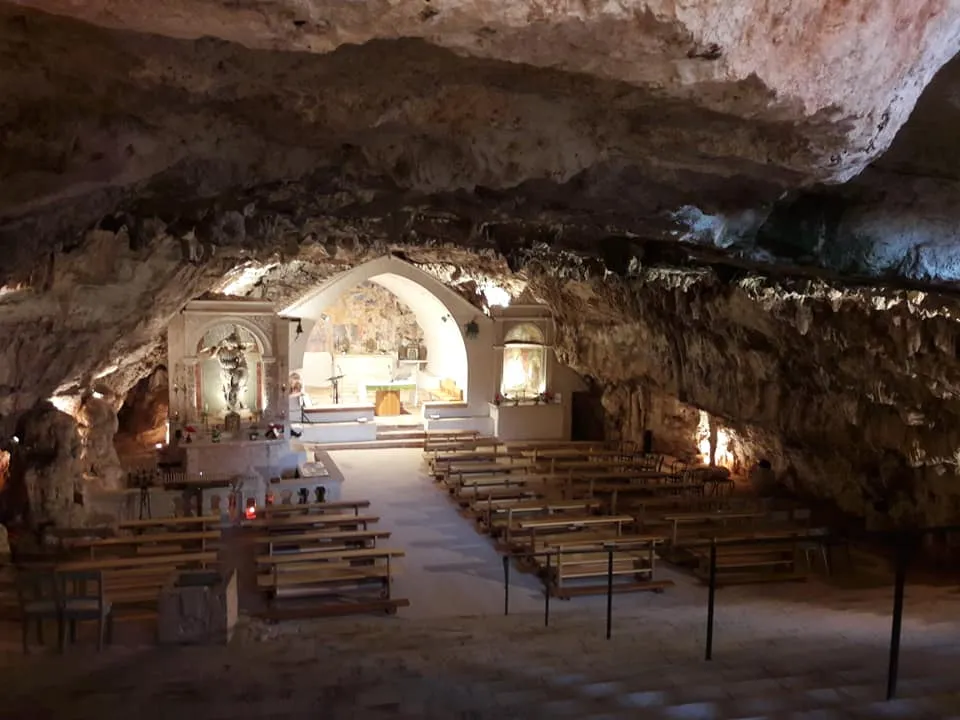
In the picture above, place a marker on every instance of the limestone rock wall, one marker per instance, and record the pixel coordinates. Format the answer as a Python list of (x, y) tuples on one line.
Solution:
[(97, 426), (48, 467), (141, 420), (851, 394)]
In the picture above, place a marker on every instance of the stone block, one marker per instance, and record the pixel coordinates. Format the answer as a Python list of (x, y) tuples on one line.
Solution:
[(198, 607)]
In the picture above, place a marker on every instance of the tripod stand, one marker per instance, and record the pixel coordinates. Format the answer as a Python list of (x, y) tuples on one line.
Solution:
[(335, 381)]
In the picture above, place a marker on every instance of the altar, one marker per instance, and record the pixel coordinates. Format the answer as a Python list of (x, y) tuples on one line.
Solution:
[(387, 399), (229, 458), (228, 388)]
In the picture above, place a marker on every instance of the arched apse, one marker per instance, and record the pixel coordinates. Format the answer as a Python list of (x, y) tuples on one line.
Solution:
[(440, 312)]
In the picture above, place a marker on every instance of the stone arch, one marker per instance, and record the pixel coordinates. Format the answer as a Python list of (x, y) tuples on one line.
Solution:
[(441, 313), (264, 344)]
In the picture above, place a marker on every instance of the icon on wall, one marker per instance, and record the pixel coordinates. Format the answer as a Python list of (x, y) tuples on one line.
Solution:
[(471, 330)]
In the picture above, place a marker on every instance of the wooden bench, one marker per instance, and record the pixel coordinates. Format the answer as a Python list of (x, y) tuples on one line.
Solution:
[(551, 529), (171, 523), (453, 474), (442, 459), (471, 442), (702, 520), (155, 542), (497, 513), (515, 518), (315, 508), (741, 564), (139, 579), (573, 562), (288, 523), (297, 542), (346, 576)]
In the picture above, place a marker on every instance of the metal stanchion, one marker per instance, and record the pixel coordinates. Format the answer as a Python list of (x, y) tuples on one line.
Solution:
[(609, 592), (506, 584), (546, 596), (903, 556), (711, 597)]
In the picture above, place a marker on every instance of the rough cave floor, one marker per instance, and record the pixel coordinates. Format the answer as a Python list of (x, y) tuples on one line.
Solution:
[(810, 650)]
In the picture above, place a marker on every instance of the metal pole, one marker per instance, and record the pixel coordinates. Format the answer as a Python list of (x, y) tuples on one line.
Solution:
[(546, 595), (711, 597), (506, 584), (903, 554), (609, 592)]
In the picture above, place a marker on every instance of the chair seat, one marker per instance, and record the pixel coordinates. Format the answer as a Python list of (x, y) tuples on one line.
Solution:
[(40, 607), (85, 606)]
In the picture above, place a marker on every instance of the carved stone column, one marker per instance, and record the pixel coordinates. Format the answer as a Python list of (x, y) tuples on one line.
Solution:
[(270, 385), (190, 388)]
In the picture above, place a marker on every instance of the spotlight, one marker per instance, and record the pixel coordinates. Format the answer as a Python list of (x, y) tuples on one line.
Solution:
[(16, 440), (159, 446), (299, 328), (97, 395)]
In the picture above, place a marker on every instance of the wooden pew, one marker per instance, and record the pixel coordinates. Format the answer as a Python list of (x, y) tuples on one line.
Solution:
[(346, 577), (290, 523), (551, 529), (139, 579), (449, 473), (306, 541), (742, 564), (512, 518), (317, 508), (155, 542), (701, 521), (493, 512), (171, 523), (633, 560)]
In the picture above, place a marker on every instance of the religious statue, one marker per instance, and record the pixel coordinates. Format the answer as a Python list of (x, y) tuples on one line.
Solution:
[(231, 354)]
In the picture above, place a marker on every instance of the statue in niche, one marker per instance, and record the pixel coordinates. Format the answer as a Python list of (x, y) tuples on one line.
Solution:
[(231, 354)]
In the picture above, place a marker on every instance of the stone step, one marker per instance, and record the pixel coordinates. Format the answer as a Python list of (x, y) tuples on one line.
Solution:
[(373, 444)]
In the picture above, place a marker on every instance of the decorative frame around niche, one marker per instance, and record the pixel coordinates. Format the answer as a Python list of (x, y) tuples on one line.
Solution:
[(260, 327), (524, 354)]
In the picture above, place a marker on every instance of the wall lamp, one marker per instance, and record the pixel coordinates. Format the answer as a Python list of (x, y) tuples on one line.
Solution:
[(299, 330)]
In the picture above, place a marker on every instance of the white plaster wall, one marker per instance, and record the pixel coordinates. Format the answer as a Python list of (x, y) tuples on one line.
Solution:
[(529, 422)]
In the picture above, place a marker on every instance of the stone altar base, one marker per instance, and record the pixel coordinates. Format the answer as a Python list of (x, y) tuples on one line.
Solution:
[(198, 607), (235, 457)]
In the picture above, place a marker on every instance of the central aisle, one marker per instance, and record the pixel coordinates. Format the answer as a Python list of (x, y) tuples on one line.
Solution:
[(450, 569)]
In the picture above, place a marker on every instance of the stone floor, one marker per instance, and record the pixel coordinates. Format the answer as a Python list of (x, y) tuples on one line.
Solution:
[(811, 650)]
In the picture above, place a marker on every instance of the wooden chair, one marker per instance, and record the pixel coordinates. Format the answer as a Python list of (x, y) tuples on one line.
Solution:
[(80, 601), (38, 599)]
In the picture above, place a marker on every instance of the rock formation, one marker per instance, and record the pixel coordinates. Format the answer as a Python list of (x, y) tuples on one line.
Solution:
[(733, 207)]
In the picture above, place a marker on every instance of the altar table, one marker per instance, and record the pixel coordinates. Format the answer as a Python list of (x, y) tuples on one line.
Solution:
[(387, 397)]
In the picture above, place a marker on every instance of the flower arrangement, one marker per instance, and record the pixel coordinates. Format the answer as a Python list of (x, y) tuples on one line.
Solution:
[(190, 430), (546, 397), (498, 399)]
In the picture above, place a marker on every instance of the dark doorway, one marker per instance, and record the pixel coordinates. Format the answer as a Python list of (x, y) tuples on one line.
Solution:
[(589, 417)]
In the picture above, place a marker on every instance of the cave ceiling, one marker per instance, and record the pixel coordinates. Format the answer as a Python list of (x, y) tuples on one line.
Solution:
[(566, 121)]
